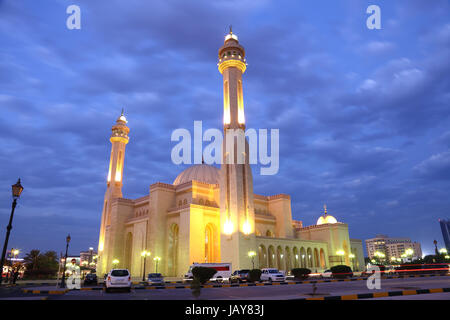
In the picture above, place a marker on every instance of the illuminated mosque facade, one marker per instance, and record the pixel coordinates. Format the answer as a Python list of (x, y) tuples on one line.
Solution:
[(211, 214)]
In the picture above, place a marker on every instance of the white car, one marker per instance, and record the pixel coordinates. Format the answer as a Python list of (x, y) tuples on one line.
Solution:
[(118, 278), (272, 274), (326, 274)]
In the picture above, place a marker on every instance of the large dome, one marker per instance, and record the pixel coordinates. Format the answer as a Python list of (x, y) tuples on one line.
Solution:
[(199, 172)]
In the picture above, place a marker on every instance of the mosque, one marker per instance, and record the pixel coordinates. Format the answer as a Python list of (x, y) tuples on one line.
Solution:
[(212, 215)]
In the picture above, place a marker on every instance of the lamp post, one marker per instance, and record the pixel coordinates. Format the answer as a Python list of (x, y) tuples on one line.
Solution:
[(156, 259), (63, 280), (144, 254), (16, 191), (252, 255)]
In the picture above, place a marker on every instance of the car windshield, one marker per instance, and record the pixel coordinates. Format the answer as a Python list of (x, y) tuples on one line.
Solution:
[(274, 271), (154, 275), (244, 271), (327, 270), (119, 273)]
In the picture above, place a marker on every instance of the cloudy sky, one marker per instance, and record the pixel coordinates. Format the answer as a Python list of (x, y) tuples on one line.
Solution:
[(364, 115)]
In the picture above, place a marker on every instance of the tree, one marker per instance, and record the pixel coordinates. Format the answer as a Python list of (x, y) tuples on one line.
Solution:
[(41, 265)]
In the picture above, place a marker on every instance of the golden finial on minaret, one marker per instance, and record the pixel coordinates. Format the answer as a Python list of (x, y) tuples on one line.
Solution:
[(325, 208)]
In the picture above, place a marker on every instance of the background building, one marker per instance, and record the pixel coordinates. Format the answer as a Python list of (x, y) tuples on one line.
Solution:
[(445, 227), (392, 247), (88, 258)]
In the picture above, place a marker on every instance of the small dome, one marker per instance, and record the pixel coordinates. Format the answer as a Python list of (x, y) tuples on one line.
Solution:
[(199, 172), (326, 218)]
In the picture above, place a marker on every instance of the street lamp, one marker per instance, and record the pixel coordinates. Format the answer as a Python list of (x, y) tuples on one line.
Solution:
[(16, 191), (63, 280), (156, 259), (340, 253), (252, 255), (443, 251), (145, 254), (115, 262)]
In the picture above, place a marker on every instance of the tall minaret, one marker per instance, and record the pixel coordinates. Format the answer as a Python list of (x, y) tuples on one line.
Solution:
[(119, 139), (236, 183)]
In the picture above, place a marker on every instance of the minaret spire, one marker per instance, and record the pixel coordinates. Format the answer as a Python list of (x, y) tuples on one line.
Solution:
[(325, 209)]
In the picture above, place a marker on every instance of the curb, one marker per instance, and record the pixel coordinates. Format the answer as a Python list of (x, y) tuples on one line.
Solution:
[(44, 291), (379, 294)]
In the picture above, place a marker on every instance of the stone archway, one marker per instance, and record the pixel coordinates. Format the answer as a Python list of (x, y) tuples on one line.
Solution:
[(309, 258), (322, 259), (172, 256), (271, 257), (288, 259), (210, 243), (303, 257), (128, 250), (280, 257), (316, 258), (262, 256), (296, 257)]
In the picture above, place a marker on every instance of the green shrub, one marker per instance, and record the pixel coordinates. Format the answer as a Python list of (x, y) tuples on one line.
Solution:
[(300, 273), (341, 271), (254, 275), (203, 274)]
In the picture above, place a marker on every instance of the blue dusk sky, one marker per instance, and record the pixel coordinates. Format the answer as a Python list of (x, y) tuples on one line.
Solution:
[(364, 115)]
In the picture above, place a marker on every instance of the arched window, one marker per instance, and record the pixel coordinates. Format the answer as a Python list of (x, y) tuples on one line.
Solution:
[(184, 201), (201, 201), (180, 203)]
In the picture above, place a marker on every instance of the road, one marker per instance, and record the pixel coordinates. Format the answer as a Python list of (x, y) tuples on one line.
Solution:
[(275, 292)]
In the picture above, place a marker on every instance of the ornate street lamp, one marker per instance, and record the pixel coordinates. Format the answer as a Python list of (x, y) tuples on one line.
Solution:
[(156, 259), (16, 191), (145, 254), (63, 280)]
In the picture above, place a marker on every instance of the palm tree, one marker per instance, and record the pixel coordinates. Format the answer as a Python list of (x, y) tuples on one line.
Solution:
[(31, 259)]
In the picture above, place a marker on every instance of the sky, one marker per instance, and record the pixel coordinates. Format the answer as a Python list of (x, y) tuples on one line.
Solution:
[(364, 115)]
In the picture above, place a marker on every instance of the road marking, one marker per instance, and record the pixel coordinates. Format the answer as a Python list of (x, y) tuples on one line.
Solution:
[(380, 294)]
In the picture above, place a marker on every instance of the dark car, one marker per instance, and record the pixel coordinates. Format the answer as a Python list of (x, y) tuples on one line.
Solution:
[(240, 276), (90, 279), (155, 278)]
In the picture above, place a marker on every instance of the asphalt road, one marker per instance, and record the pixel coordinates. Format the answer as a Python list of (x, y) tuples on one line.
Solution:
[(276, 292)]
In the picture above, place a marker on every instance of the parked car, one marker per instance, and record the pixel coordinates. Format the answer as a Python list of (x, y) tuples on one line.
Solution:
[(326, 274), (90, 279), (155, 278), (118, 278), (272, 274), (240, 276)]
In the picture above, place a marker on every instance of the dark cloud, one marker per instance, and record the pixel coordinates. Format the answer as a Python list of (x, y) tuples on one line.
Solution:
[(363, 115)]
